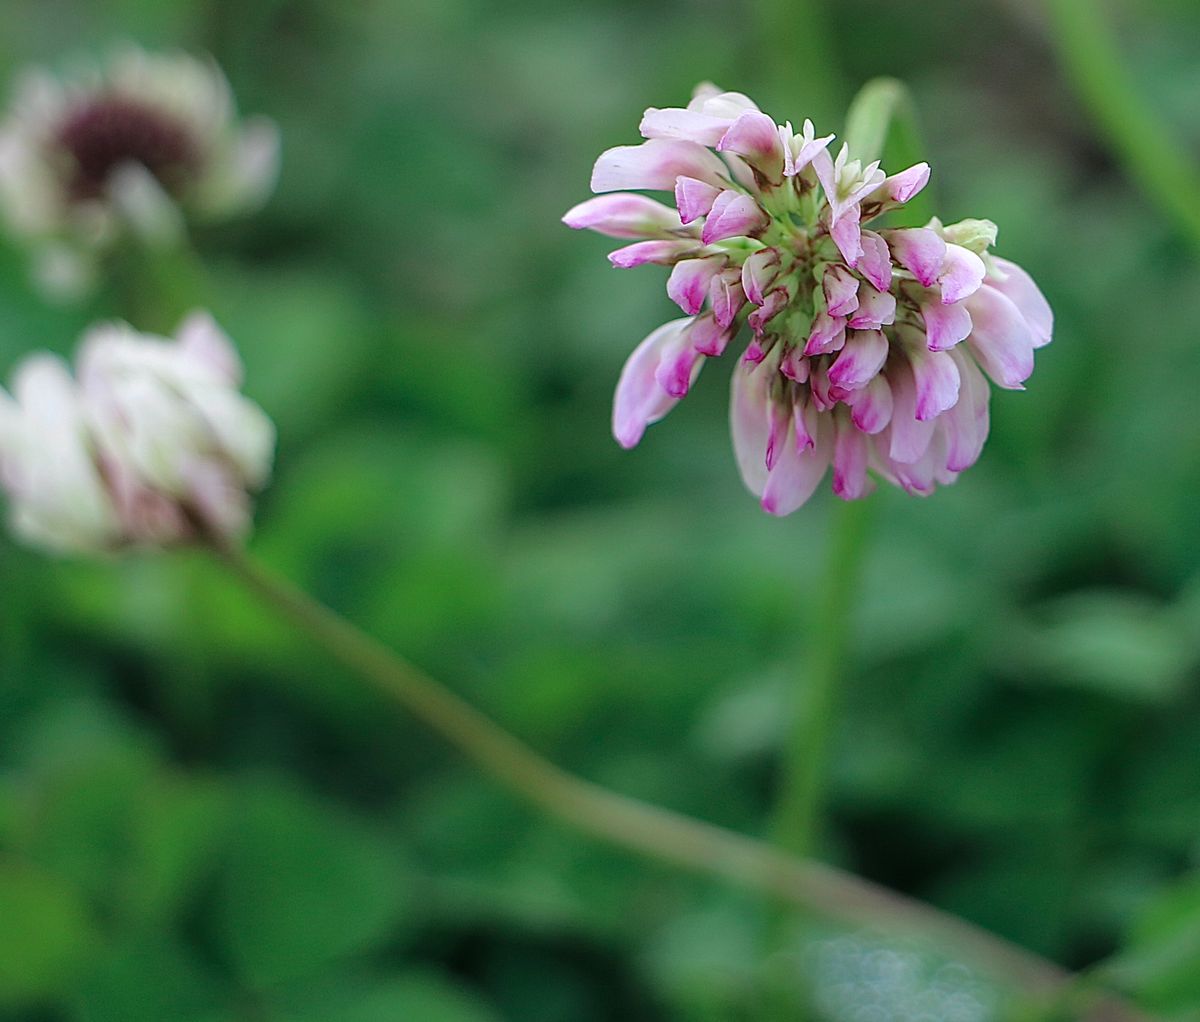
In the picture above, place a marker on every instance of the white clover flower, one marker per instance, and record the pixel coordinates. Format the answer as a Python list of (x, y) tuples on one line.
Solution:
[(132, 148), (150, 444)]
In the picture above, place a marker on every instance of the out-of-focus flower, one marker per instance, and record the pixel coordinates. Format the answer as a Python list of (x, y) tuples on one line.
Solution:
[(868, 348), (134, 147), (151, 443)]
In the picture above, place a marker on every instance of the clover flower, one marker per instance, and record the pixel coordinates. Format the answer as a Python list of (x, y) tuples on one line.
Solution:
[(150, 444), (868, 348), (131, 148)]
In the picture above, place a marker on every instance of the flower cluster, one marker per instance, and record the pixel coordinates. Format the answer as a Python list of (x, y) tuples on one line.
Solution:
[(867, 349), (150, 443), (128, 148)]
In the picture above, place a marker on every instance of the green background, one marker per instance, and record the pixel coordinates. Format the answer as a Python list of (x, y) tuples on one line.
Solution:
[(203, 820)]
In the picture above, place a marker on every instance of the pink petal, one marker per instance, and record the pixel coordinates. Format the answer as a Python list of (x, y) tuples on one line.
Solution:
[(871, 407), (725, 296), (794, 365), (935, 374), (850, 461), (966, 424), (640, 399), (755, 137), (797, 474), (919, 250), (641, 252), (962, 273), (677, 123), (945, 325), (688, 284), (863, 355), (1020, 289), (654, 165), (624, 216), (694, 198), (909, 436), (875, 309), (841, 290), (733, 215), (828, 334), (876, 262), (707, 336), (899, 188), (805, 424), (847, 235), (749, 422), (759, 272), (772, 305), (1000, 338)]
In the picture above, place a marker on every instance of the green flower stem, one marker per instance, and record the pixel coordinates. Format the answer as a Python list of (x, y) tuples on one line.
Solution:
[(806, 754), (1139, 139), (634, 825)]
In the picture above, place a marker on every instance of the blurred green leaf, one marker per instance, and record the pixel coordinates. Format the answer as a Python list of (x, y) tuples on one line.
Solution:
[(419, 995), (304, 884), (1161, 959)]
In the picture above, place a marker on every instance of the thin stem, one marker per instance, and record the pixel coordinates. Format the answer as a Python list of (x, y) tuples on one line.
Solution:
[(1139, 139), (807, 752), (629, 823)]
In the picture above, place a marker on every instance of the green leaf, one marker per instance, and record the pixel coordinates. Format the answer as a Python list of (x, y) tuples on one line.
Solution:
[(1159, 963), (46, 936), (419, 996), (304, 885)]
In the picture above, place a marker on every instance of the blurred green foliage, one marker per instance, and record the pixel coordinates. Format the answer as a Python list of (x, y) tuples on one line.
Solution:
[(202, 820)]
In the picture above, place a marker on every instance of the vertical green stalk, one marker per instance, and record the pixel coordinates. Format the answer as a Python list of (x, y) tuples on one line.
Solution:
[(881, 116), (806, 755), (1139, 139)]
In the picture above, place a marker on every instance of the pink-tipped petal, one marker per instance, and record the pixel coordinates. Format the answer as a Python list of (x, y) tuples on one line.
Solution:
[(694, 198), (640, 399), (966, 424), (688, 284), (707, 336), (945, 325), (1000, 338), (1020, 289), (875, 309), (678, 369), (733, 215), (861, 358), (725, 296), (876, 262), (847, 235), (841, 290), (909, 436), (919, 250), (654, 165), (759, 272), (936, 377), (871, 407), (850, 449), (962, 273), (899, 188), (772, 305), (642, 252), (797, 474), (689, 125), (828, 334), (794, 365), (624, 216), (755, 138), (805, 424), (749, 422)]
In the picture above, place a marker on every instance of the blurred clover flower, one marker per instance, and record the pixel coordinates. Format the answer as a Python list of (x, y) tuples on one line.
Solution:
[(150, 444), (857, 355), (127, 149)]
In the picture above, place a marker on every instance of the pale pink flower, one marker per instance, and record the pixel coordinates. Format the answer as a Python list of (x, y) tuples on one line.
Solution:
[(857, 360), (151, 443)]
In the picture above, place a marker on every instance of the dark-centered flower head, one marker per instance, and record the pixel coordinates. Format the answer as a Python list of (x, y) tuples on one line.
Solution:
[(132, 148), (867, 348)]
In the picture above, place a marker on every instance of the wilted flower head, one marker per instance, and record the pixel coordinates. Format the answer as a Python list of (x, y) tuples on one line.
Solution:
[(868, 348), (132, 147), (150, 443)]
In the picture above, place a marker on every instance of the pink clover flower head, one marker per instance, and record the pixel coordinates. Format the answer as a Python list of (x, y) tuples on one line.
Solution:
[(133, 147), (149, 443), (871, 347)]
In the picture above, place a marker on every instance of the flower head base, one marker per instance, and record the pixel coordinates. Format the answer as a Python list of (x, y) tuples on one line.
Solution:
[(868, 348), (150, 444), (131, 148)]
